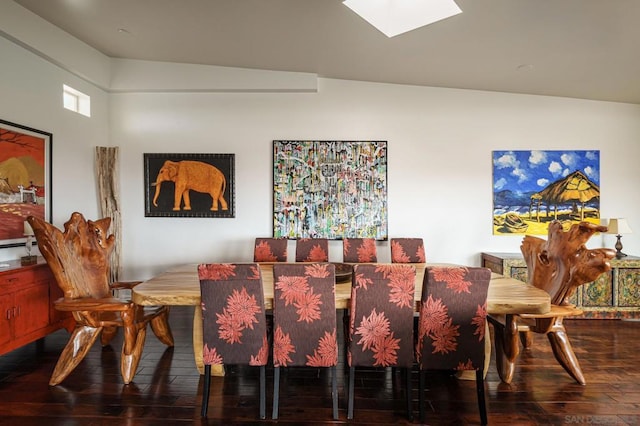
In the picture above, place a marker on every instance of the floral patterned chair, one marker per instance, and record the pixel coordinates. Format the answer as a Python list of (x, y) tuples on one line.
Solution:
[(407, 250), (270, 250), (304, 317), (452, 325), (359, 250), (312, 250), (234, 326), (381, 322)]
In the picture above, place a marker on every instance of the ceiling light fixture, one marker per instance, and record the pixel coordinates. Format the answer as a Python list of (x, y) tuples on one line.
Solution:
[(393, 17)]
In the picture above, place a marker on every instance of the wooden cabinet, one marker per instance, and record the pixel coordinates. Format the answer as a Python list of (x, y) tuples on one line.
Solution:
[(615, 294), (26, 305)]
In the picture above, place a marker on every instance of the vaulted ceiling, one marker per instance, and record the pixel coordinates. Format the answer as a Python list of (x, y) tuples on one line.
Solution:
[(587, 49)]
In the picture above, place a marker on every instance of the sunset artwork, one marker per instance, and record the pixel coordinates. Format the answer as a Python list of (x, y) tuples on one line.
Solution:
[(24, 179), (533, 188)]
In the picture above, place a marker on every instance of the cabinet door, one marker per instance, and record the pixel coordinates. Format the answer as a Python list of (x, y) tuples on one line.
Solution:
[(6, 305), (32, 309)]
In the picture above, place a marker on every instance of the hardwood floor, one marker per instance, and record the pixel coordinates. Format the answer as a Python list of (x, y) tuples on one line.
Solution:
[(167, 389)]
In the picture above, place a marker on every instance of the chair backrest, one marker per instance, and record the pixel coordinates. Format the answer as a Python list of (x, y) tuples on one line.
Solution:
[(407, 250), (312, 250), (79, 256), (452, 324), (233, 314), (270, 250), (304, 315), (381, 316), (562, 263), (359, 250)]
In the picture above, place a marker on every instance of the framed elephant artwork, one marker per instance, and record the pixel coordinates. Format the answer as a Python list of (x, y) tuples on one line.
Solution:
[(189, 185)]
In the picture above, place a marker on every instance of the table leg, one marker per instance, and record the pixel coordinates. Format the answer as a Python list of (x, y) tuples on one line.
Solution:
[(507, 347), (216, 370)]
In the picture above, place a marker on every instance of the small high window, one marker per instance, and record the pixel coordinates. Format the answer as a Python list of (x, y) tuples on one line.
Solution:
[(75, 100)]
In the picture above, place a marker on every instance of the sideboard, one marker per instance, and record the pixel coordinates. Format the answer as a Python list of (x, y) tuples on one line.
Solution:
[(615, 294), (26, 304)]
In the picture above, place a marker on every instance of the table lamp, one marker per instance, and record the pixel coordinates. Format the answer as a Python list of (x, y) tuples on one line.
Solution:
[(29, 259), (618, 227)]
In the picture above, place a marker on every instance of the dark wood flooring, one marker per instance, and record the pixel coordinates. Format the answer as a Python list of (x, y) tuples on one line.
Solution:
[(167, 388)]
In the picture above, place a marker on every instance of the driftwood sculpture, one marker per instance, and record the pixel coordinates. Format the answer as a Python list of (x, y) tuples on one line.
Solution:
[(79, 260), (562, 263), (559, 266)]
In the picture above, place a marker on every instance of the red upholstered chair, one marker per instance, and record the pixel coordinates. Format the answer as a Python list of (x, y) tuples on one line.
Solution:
[(407, 250), (312, 250), (451, 330), (359, 250), (270, 250), (381, 322), (304, 317), (233, 316)]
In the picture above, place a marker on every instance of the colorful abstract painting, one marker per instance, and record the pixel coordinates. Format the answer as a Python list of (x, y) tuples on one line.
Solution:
[(532, 188), (330, 189)]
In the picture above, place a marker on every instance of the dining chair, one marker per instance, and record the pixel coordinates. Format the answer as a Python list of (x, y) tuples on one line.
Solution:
[(558, 266), (407, 250), (270, 250), (234, 326), (312, 250), (79, 260), (452, 325), (381, 322), (304, 317), (359, 250)]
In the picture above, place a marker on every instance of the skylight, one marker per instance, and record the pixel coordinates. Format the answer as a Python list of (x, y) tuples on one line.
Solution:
[(393, 17)]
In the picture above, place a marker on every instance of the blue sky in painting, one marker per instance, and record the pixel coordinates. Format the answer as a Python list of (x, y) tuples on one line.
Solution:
[(532, 171)]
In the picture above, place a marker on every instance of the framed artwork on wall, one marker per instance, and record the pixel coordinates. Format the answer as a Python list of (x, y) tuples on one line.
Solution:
[(532, 188), (189, 185), (330, 189), (25, 179)]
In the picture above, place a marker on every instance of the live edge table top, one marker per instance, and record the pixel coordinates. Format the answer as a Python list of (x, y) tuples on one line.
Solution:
[(180, 286)]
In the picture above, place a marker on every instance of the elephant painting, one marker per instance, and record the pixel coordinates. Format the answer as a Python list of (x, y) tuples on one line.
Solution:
[(192, 176)]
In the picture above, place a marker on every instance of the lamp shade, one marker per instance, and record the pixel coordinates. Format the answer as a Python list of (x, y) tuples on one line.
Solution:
[(28, 230), (618, 226)]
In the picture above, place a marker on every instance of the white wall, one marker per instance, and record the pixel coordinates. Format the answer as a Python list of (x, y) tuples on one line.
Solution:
[(31, 95), (440, 143)]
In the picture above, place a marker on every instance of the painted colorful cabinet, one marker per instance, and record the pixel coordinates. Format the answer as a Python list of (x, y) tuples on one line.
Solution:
[(615, 294), (26, 305)]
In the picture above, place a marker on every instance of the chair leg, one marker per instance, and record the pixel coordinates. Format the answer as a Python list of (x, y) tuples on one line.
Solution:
[(262, 392), (132, 346), (81, 340), (276, 392), (334, 391), (421, 396), (352, 374), (408, 392), (481, 400), (206, 386)]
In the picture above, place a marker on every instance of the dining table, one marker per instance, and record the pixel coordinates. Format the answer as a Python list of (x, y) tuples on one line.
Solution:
[(180, 286)]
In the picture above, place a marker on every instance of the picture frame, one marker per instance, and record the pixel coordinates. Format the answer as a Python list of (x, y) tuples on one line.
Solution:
[(531, 188), (189, 185), (25, 179), (330, 189)]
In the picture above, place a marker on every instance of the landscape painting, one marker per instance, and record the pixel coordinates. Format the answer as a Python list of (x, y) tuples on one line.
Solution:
[(330, 189), (25, 179), (532, 188)]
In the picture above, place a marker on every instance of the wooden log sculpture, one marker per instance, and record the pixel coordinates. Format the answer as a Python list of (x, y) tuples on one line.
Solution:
[(559, 266), (562, 263), (79, 260)]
